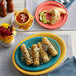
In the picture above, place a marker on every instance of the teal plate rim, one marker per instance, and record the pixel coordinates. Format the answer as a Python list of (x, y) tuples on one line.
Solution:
[(24, 66)]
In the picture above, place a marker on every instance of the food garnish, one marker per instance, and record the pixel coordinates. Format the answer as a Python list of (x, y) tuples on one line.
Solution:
[(42, 17), (41, 14)]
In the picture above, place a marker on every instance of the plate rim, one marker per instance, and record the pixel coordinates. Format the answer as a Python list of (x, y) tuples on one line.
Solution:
[(66, 16), (46, 70), (21, 66)]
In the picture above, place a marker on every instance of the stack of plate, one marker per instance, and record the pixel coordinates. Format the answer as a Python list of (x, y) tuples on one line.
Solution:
[(42, 68)]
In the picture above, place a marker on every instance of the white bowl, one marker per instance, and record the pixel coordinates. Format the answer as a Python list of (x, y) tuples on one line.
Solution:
[(16, 26), (8, 44)]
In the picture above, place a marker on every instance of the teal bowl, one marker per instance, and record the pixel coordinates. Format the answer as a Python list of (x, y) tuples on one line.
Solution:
[(29, 43)]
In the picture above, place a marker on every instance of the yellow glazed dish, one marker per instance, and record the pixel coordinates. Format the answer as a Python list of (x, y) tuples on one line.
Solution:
[(52, 36), (25, 11)]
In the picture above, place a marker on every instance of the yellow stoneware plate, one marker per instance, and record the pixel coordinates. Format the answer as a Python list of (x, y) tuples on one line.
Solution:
[(52, 36)]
